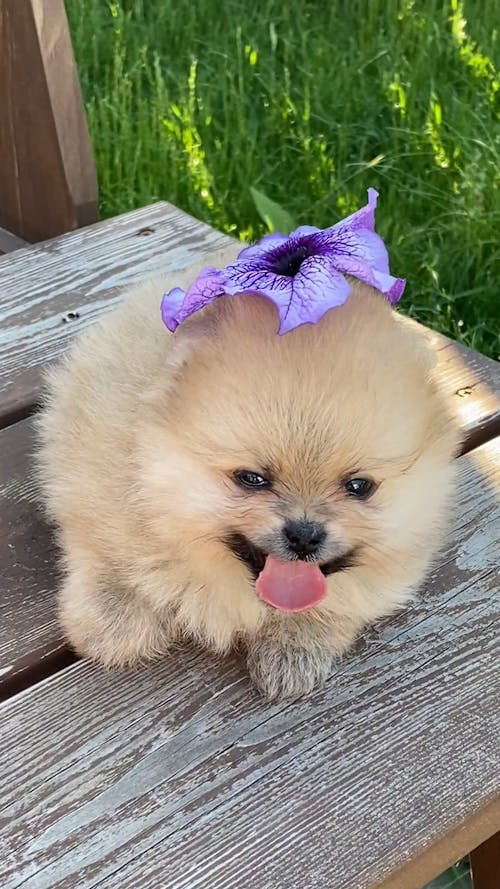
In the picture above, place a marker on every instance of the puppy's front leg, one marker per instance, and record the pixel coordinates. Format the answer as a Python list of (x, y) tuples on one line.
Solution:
[(293, 654), (110, 624)]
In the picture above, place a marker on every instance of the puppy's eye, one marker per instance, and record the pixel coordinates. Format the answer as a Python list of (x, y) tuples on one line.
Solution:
[(359, 487), (245, 478)]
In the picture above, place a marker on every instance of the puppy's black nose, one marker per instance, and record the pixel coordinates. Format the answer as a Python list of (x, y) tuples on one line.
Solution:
[(304, 538)]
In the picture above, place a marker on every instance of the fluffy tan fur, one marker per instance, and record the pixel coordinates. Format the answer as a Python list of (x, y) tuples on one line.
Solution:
[(143, 430)]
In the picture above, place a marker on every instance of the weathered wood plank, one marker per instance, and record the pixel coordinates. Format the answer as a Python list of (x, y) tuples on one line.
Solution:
[(481, 431), (179, 775), (30, 641), (48, 183), (9, 242), (471, 384), (52, 290)]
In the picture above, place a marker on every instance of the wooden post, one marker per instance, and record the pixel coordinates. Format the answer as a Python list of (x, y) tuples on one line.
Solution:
[(485, 864), (48, 182)]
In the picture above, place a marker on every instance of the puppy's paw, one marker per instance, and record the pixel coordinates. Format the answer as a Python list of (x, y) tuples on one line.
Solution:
[(278, 671), (111, 626)]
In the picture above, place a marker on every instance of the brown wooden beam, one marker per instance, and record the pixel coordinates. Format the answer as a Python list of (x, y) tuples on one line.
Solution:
[(485, 864), (48, 182)]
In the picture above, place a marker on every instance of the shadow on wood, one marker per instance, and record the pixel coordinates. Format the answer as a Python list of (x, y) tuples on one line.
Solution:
[(47, 176)]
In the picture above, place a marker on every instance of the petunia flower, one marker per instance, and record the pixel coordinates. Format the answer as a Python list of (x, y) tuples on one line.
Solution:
[(303, 274)]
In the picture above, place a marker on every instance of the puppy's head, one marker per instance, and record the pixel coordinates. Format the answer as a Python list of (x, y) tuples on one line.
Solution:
[(325, 450)]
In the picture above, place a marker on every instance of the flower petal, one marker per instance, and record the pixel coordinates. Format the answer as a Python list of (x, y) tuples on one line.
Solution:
[(176, 305), (361, 248), (304, 230), (365, 257), (316, 288), (365, 217), (170, 307), (392, 288), (361, 219), (267, 243), (246, 277), (360, 268), (303, 273)]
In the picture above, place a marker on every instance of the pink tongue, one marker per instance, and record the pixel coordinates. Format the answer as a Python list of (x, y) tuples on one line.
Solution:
[(290, 586)]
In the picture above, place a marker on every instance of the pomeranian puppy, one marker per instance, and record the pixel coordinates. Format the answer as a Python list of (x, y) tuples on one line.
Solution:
[(240, 488)]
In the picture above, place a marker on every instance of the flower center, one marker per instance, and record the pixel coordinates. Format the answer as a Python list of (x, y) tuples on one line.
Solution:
[(289, 263)]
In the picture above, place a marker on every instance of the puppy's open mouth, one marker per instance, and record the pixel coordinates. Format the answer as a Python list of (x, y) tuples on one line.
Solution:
[(255, 558)]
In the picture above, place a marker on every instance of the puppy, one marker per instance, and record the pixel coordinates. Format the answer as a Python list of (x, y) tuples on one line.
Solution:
[(237, 487)]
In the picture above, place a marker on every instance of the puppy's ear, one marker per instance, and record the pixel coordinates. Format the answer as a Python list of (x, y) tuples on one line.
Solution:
[(193, 336), (203, 331)]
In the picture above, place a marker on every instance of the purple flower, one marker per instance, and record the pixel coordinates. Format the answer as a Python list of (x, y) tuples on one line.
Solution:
[(302, 274)]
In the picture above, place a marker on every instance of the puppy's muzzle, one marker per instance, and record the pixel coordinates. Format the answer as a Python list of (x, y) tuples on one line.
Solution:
[(304, 538)]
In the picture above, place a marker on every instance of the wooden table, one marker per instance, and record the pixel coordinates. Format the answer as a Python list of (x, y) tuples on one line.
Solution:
[(178, 775)]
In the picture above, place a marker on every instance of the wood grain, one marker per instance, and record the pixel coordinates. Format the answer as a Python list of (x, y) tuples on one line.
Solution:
[(180, 776), (30, 641), (48, 182), (470, 383), (50, 291)]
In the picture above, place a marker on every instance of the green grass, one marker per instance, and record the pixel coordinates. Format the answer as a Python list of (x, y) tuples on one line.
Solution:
[(310, 103), (456, 877)]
